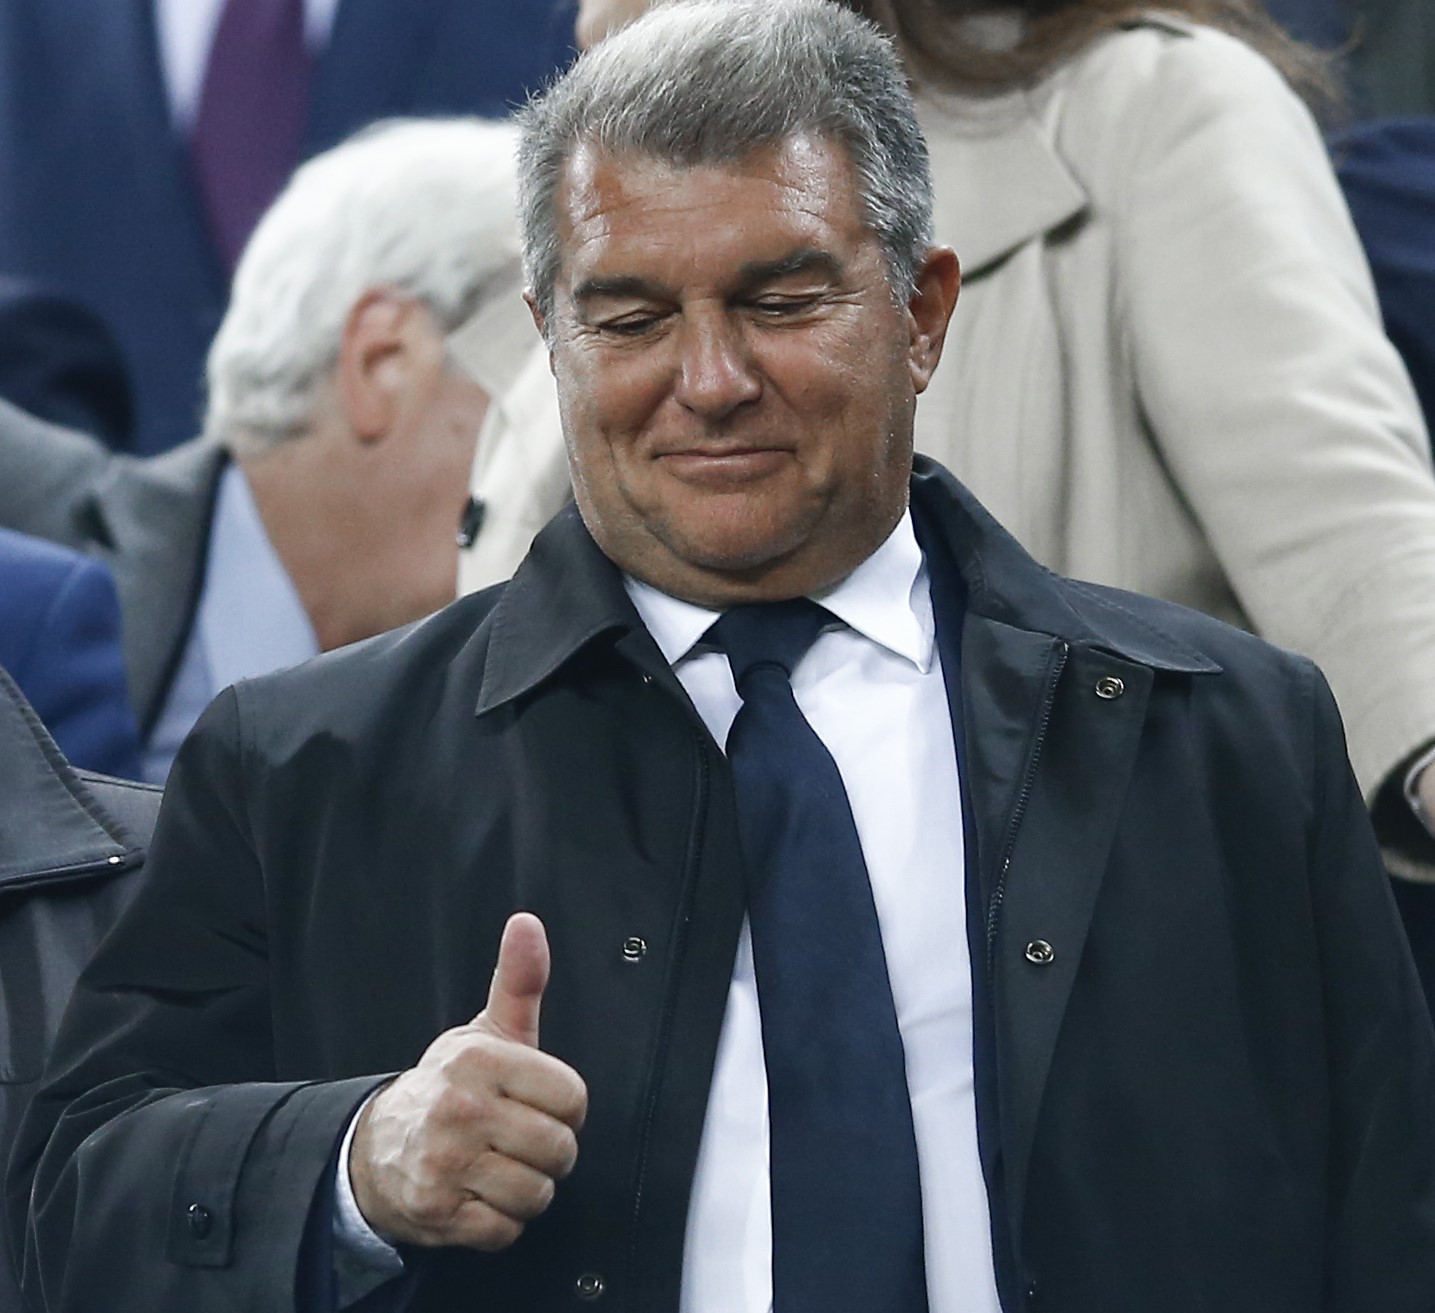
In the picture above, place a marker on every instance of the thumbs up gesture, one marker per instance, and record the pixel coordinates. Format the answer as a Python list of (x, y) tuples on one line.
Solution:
[(467, 1146)]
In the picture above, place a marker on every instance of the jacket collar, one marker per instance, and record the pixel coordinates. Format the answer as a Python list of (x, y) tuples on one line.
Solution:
[(153, 515), (1004, 583), (567, 596), (54, 831), (1026, 187)]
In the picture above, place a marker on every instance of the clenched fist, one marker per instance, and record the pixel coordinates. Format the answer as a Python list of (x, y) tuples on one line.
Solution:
[(467, 1146)]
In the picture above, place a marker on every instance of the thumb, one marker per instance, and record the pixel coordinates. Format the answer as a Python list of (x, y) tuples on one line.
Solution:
[(519, 980)]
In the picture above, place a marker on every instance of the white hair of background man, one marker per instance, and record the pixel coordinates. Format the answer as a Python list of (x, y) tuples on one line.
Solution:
[(424, 207)]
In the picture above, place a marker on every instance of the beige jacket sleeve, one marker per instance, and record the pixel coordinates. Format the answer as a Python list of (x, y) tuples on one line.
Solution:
[(1284, 414)]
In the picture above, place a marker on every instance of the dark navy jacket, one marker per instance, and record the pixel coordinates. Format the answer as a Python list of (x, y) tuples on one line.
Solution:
[(96, 199), (1209, 1090), (60, 641)]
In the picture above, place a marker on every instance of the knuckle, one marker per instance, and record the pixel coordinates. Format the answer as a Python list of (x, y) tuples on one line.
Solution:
[(575, 1102), (496, 1231)]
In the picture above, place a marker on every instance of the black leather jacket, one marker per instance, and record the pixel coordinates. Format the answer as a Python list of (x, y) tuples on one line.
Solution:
[(72, 845)]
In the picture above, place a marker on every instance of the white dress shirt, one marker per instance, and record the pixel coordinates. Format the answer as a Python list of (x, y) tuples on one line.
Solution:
[(872, 688), (186, 29)]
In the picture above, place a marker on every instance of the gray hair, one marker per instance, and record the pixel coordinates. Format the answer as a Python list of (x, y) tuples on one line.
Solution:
[(422, 207), (711, 81)]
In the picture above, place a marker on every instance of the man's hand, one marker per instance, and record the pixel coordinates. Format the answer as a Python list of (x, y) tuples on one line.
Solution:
[(465, 1148)]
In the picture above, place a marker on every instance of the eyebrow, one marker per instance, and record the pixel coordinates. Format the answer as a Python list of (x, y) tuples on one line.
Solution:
[(756, 273), (807, 261)]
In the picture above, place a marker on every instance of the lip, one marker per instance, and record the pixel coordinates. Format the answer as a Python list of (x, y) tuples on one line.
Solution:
[(725, 465)]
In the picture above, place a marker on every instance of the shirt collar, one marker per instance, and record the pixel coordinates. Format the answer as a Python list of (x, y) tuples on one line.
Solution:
[(251, 618), (886, 599)]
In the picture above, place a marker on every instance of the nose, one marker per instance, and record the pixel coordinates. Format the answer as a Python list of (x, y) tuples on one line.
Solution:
[(716, 373)]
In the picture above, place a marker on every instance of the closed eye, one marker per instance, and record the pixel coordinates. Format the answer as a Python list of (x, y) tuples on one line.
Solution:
[(778, 307)]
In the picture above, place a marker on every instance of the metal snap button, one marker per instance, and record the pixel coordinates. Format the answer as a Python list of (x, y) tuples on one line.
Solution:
[(201, 1221), (1109, 687), (634, 948), (590, 1286), (1040, 953), (114, 859)]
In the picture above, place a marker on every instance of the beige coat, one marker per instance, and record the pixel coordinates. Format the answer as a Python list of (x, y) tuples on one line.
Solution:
[(1166, 369), (1167, 372)]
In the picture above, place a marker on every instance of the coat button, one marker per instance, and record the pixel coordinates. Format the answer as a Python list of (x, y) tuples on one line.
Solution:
[(1040, 953), (1109, 687), (590, 1286), (201, 1221), (634, 948)]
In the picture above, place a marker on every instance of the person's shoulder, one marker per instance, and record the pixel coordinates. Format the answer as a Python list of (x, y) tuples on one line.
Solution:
[(40, 574), (1242, 656), (1168, 55), (353, 692)]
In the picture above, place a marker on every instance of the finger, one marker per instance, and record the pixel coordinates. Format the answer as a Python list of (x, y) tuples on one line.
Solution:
[(535, 1139), (512, 1188), (479, 1225), (519, 979)]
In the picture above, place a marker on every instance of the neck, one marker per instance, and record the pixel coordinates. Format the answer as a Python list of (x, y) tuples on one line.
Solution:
[(340, 542)]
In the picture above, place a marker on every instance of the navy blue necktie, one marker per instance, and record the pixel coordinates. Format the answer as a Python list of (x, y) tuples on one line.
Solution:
[(846, 1197)]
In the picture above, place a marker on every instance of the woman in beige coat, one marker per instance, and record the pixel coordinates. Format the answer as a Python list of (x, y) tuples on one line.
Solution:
[(1167, 370)]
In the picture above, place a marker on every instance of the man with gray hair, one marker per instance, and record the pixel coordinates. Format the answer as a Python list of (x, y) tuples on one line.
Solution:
[(903, 926), (373, 319)]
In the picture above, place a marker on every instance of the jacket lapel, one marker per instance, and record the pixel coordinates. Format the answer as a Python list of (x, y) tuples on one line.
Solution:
[(153, 519), (50, 834), (1027, 189), (1046, 765)]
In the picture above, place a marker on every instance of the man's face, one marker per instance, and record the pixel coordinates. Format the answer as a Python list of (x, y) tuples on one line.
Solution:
[(736, 383)]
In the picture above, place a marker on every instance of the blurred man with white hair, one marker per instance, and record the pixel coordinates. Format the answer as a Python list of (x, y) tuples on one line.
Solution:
[(374, 314)]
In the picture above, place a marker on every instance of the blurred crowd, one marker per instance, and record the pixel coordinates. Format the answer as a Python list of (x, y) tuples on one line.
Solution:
[(271, 385)]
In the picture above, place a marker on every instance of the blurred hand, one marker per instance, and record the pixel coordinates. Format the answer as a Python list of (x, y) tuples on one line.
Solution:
[(1425, 788), (467, 1146)]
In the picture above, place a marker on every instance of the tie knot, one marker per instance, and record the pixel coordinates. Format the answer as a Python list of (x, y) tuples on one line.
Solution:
[(767, 634)]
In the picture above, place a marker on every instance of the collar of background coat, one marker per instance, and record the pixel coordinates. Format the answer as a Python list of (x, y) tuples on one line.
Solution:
[(54, 829), (1000, 180), (149, 517), (493, 345), (566, 595)]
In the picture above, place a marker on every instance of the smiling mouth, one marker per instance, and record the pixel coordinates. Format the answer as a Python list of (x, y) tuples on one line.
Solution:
[(725, 466)]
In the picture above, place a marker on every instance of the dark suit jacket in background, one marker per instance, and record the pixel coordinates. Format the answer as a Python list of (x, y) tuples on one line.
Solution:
[(60, 641), (1216, 1094), (71, 849), (60, 362), (96, 198), (146, 518)]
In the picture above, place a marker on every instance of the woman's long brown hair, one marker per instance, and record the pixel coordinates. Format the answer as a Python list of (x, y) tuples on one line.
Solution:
[(930, 35)]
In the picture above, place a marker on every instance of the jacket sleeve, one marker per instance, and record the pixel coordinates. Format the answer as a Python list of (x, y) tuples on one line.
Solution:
[(76, 671), (1273, 395), (166, 1169), (1381, 1225)]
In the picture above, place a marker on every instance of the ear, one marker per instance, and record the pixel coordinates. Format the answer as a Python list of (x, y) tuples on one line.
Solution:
[(929, 311), (385, 343), (538, 321)]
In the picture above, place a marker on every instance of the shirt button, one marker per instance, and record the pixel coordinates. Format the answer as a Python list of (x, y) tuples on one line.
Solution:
[(634, 948), (590, 1286), (1109, 687), (1040, 953), (201, 1221)]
